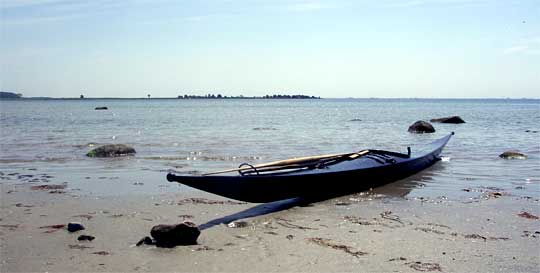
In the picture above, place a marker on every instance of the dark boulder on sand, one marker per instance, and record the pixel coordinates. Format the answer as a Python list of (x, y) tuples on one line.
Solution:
[(101, 108), (421, 127), (185, 233), (111, 150), (512, 155), (453, 120)]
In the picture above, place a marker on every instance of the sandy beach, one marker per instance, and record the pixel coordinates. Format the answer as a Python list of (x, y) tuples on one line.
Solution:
[(376, 231)]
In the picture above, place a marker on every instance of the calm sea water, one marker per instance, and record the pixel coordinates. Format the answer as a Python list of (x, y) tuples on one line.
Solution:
[(195, 136)]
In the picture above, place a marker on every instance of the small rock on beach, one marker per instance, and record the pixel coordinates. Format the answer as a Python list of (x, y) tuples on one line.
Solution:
[(512, 155), (452, 119), (185, 233), (86, 238), (74, 226), (238, 224), (112, 150), (421, 127), (146, 241)]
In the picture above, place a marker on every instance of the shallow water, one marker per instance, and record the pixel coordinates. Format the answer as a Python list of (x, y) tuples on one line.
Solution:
[(194, 136)]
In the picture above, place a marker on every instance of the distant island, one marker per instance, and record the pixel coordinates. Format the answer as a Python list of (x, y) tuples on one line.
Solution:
[(11, 96), (219, 96)]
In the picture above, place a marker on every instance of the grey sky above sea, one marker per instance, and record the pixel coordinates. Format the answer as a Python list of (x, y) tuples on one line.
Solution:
[(341, 48)]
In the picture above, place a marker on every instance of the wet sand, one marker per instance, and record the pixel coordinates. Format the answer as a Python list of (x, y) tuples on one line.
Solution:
[(376, 231)]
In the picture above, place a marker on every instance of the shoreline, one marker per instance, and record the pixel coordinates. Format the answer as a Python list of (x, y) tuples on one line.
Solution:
[(369, 231)]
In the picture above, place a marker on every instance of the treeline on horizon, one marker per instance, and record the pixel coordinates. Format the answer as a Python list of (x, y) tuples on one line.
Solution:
[(219, 96), (11, 95)]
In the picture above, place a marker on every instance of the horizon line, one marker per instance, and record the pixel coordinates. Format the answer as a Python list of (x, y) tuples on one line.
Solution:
[(262, 97)]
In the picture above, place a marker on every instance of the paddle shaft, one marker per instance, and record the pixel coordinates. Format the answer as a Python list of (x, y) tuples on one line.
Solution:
[(293, 161)]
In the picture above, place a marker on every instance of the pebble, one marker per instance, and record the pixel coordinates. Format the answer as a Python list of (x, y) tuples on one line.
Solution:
[(86, 238), (74, 226), (146, 240), (238, 224)]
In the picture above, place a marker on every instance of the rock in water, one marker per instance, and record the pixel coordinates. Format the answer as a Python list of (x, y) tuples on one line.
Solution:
[(111, 150), (101, 108), (74, 226), (173, 235), (512, 155), (453, 120), (421, 127)]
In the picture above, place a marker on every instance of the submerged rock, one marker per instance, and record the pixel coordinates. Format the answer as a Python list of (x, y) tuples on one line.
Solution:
[(452, 119), (101, 108), (512, 155), (173, 235), (421, 127), (74, 226), (111, 150)]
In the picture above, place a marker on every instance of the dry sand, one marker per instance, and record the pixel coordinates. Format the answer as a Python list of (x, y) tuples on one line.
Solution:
[(375, 232)]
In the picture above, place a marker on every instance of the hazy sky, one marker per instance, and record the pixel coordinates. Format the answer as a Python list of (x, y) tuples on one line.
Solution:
[(341, 48)]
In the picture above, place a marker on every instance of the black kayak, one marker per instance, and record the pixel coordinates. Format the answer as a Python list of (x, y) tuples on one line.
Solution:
[(322, 177)]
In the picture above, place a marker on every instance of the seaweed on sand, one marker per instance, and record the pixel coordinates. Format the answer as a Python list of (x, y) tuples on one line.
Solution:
[(328, 243)]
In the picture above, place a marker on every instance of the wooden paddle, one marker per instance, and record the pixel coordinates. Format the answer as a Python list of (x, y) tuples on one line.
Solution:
[(293, 161)]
